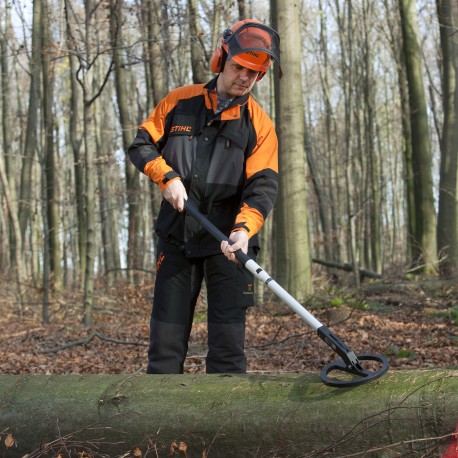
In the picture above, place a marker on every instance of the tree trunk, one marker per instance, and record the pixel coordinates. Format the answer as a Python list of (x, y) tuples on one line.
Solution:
[(370, 84), (108, 191), (135, 242), (425, 215), (447, 226), (7, 137), (52, 207), (395, 41), (32, 122), (330, 170), (89, 147), (157, 56), (15, 227), (293, 251), (346, 34), (76, 142), (406, 413), (199, 57)]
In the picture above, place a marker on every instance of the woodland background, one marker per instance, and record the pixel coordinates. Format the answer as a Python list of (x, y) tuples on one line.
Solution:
[(366, 115)]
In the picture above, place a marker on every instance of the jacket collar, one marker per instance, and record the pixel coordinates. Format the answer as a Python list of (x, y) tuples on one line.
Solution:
[(211, 86)]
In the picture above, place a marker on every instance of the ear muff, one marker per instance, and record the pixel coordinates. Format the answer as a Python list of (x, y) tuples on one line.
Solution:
[(219, 56), (216, 63)]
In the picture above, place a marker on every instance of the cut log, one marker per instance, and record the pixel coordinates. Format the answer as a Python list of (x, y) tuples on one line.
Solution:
[(405, 413)]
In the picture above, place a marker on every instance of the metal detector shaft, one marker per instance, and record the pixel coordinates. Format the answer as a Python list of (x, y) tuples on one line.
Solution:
[(350, 362), (256, 269)]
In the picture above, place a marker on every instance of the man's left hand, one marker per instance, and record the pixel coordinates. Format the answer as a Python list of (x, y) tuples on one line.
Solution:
[(239, 241)]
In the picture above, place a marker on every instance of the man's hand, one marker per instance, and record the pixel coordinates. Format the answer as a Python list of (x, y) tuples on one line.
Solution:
[(239, 241), (175, 194)]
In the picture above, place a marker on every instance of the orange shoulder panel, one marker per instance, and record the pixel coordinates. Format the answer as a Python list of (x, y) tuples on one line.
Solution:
[(155, 126), (265, 153), (155, 123)]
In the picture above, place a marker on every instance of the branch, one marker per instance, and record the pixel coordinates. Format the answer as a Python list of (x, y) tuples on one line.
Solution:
[(348, 268), (90, 101), (89, 339)]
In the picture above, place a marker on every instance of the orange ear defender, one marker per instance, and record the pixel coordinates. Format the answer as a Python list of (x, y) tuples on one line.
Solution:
[(219, 56), (216, 63)]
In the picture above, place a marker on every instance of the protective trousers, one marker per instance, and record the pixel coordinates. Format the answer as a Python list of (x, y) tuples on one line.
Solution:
[(177, 287)]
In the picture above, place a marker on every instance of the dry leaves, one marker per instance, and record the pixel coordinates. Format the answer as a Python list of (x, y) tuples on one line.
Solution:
[(181, 447), (410, 334)]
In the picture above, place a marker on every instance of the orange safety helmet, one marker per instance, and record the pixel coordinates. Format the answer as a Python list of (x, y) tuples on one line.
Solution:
[(251, 44)]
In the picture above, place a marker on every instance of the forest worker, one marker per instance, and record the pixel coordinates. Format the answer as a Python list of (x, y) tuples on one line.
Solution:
[(214, 145)]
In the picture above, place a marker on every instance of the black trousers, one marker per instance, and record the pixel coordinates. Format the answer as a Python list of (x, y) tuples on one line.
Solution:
[(178, 284)]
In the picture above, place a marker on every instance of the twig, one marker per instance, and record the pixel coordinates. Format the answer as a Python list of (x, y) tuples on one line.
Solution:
[(88, 339), (387, 447)]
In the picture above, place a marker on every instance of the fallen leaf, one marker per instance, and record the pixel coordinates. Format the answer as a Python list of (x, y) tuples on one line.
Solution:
[(9, 441), (183, 448), (172, 448)]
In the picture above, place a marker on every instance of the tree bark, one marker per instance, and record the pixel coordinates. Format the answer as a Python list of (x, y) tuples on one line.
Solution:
[(15, 227), (447, 227), (157, 55), (425, 215), (32, 122), (374, 241), (7, 136), (406, 413), (199, 55), (293, 250), (395, 41), (108, 202), (49, 162), (135, 243), (89, 164), (76, 141)]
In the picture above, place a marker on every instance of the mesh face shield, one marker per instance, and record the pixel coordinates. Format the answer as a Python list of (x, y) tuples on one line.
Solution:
[(252, 39)]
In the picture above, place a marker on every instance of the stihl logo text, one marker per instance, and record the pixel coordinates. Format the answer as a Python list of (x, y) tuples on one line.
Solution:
[(180, 129)]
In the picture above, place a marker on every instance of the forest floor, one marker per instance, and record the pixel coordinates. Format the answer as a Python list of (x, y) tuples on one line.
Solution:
[(414, 323)]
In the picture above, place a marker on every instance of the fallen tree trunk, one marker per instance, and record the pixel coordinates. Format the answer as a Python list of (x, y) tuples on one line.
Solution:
[(405, 413), (348, 268)]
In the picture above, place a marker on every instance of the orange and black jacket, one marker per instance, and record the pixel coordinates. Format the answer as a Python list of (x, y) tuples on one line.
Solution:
[(228, 163)]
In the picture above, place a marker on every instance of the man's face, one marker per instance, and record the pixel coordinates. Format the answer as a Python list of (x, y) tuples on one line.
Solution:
[(235, 80)]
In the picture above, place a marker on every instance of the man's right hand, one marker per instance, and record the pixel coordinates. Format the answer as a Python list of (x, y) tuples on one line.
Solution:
[(175, 194)]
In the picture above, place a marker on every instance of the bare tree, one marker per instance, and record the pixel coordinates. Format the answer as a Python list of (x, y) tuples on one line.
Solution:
[(7, 132), (425, 215), (447, 226), (12, 211), (199, 54), (76, 139), (135, 222), (32, 120), (293, 250), (92, 88), (48, 162)]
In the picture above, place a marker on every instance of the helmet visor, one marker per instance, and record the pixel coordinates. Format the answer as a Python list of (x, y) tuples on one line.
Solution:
[(252, 38)]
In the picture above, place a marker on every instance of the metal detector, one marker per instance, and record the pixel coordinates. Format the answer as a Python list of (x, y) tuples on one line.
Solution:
[(350, 364)]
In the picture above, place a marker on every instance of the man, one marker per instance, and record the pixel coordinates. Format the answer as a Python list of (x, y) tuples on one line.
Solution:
[(214, 145)]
